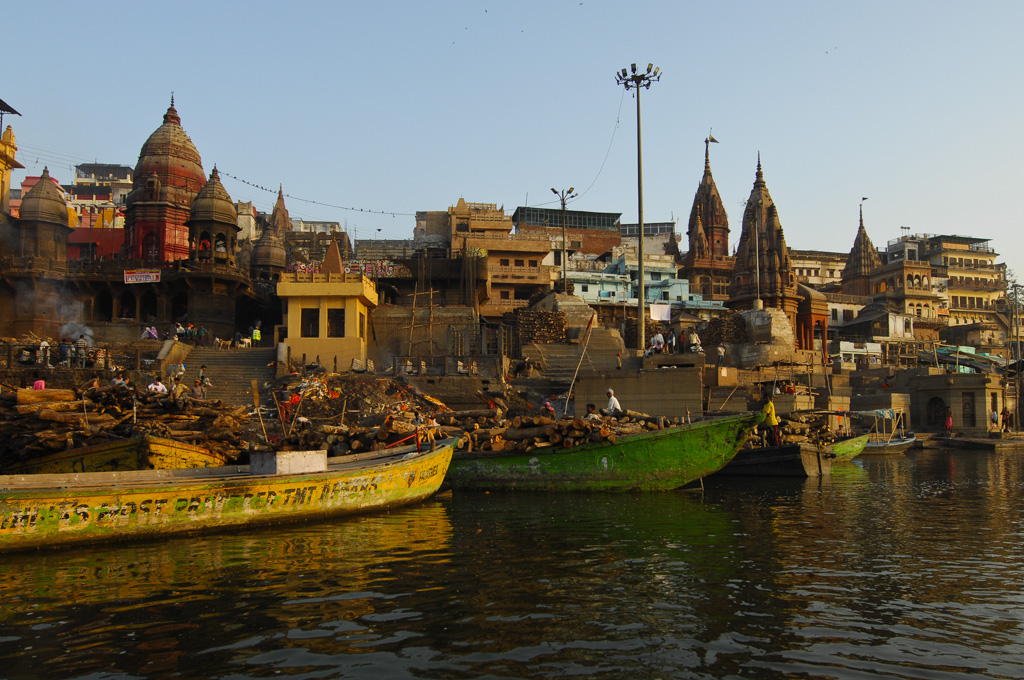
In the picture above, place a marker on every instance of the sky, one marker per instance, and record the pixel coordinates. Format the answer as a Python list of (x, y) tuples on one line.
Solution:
[(366, 112)]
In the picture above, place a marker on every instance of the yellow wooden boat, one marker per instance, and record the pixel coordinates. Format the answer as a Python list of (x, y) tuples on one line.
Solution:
[(53, 510), (144, 452)]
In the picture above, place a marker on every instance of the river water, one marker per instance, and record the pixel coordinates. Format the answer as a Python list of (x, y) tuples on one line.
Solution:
[(892, 567)]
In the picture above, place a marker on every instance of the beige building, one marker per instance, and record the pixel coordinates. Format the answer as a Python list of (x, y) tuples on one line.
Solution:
[(817, 268), (326, 315), (481, 234), (970, 284)]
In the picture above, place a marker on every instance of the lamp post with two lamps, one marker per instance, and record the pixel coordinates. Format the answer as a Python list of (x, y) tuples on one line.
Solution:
[(563, 196), (632, 80)]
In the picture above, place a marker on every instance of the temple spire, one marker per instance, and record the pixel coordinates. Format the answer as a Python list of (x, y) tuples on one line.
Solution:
[(708, 141)]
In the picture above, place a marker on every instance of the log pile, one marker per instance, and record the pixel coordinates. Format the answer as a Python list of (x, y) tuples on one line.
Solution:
[(730, 329), (540, 327), (39, 422), (796, 428), (651, 328)]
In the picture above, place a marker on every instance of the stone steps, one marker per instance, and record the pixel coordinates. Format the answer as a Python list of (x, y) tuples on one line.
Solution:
[(232, 371)]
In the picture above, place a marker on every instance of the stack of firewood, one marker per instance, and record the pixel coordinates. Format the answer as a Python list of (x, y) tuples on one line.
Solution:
[(651, 328), (36, 422), (540, 326), (730, 329), (536, 432)]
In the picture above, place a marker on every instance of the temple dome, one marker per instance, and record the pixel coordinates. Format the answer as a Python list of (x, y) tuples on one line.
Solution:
[(213, 204), (44, 203), (268, 252), (170, 154)]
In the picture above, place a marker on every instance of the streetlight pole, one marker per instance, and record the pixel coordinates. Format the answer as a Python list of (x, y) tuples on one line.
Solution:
[(563, 196), (632, 80)]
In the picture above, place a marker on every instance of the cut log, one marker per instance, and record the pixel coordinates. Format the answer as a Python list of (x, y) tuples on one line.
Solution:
[(517, 434), (26, 396), (53, 406)]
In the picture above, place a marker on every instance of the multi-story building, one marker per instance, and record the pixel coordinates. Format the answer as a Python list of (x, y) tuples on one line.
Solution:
[(480, 236), (966, 279), (613, 292), (587, 234), (905, 285), (818, 268)]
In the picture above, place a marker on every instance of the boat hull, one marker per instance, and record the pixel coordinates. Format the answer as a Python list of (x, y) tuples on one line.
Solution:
[(888, 447), (655, 461), (44, 511), (788, 460), (138, 453), (846, 450)]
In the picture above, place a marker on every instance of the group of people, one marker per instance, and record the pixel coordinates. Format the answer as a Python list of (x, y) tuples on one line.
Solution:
[(1001, 419), (179, 389), (69, 354), (191, 334), (673, 345)]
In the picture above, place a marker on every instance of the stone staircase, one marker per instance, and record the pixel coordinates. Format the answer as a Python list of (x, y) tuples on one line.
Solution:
[(232, 371), (558, 362)]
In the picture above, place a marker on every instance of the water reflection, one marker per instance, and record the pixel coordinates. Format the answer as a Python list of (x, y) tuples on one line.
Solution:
[(897, 566)]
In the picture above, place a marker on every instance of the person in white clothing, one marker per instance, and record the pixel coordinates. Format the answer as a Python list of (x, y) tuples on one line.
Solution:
[(614, 408)]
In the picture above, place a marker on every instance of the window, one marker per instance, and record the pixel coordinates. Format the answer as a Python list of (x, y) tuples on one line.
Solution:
[(835, 315), (520, 263), (847, 314), (503, 262), (310, 323), (335, 323), (504, 295), (533, 263), (655, 276), (362, 326), (664, 295), (584, 288)]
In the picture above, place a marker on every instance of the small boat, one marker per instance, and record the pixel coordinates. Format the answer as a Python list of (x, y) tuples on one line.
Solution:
[(891, 444), (800, 459), (54, 510), (887, 435), (144, 452), (659, 460), (847, 449)]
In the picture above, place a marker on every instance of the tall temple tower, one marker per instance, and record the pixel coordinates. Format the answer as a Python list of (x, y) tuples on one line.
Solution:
[(862, 261), (762, 269), (167, 178), (268, 259), (707, 264)]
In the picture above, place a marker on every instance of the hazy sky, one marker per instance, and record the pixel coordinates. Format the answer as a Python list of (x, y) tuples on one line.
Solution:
[(394, 107)]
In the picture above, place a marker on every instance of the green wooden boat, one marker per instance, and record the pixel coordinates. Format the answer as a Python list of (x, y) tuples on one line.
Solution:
[(847, 449), (653, 461)]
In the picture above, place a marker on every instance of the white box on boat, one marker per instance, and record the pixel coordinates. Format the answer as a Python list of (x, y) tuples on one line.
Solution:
[(287, 462)]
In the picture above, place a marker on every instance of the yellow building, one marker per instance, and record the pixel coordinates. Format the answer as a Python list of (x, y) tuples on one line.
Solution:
[(8, 149), (327, 314)]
